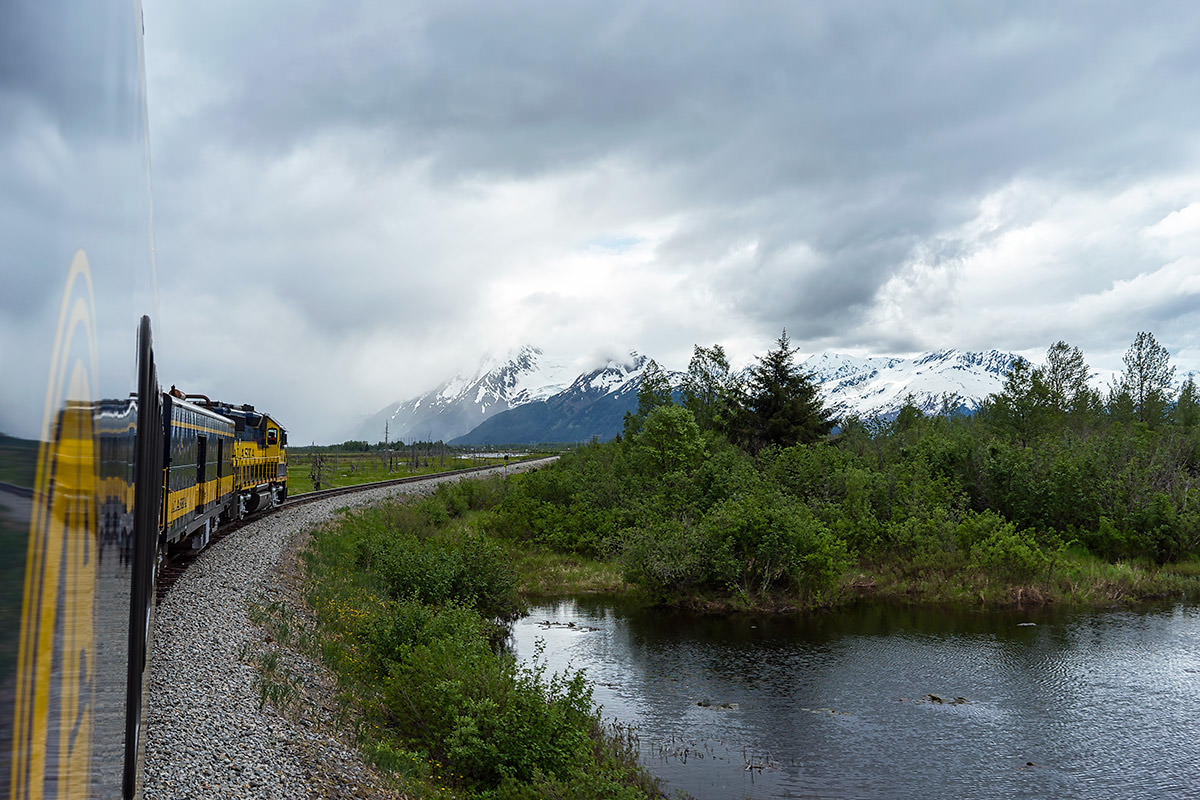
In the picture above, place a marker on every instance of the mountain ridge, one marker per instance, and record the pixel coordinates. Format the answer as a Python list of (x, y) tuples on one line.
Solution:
[(529, 397)]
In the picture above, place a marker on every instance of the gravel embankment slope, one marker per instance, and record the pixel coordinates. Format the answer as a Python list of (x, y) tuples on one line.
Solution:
[(205, 733)]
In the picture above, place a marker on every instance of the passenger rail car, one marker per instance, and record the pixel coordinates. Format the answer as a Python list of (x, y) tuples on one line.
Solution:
[(197, 472)]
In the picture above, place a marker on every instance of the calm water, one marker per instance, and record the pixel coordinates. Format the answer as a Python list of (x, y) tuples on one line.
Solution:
[(1088, 705)]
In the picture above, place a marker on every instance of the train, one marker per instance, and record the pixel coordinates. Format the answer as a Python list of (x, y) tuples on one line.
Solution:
[(101, 470), (118, 485), (221, 463)]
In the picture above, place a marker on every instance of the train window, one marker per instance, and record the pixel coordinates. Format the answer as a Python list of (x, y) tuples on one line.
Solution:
[(272, 436)]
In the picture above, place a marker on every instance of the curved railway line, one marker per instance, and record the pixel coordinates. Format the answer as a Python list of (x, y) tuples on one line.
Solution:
[(175, 565)]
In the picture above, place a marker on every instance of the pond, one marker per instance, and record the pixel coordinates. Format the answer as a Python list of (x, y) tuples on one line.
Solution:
[(891, 702)]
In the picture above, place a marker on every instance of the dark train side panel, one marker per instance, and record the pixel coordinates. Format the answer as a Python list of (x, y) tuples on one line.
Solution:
[(198, 471)]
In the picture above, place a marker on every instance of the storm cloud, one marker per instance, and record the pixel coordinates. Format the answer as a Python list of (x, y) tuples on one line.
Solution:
[(374, 194)]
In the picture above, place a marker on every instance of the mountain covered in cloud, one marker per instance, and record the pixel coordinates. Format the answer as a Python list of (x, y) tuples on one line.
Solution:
[(528, 397), (460, 404)]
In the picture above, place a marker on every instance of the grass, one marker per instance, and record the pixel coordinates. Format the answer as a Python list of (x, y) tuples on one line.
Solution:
[(542, 572), (1075, 578), (342, 468), (278, 684)]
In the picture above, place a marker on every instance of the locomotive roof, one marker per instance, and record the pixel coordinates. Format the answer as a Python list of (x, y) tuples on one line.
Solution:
[(230, 410), (199, 409)]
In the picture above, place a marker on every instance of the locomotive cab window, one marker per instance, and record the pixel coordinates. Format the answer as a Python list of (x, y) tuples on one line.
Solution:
[(272, 436)]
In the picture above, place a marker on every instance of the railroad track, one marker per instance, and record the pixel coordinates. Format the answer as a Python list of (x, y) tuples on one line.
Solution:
[(171, 568), (311, 497)]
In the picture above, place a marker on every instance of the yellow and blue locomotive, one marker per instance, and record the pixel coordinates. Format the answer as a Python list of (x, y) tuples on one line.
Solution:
[(220, 463), (250, 472)]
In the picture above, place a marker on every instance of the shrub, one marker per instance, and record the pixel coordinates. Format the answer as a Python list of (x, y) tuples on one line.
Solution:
[(669, 441), (487, 718), (669, 558), (468, 569), (1008, 552), (768, 541), (399, 616)]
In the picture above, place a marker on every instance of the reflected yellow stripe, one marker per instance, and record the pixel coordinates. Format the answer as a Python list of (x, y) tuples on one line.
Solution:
[(61, 529)]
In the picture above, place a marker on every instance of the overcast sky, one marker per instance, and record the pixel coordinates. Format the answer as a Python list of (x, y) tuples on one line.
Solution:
[(378, 193)]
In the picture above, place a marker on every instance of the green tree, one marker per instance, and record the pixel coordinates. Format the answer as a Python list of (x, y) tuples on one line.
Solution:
[(1147, 377), (709, 388), (1187, 408), (669, 440), (908, 417), (653, 391), (781, 405), (1121, 407), (1021, 406), (1065, 377)]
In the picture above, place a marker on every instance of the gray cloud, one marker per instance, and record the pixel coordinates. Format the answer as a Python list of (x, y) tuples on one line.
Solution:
[(384, 172)]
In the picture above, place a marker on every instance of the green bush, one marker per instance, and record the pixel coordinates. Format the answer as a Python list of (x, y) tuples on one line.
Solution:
[(468, 569), (487, 718), (978, 527), (753, 543), (927, 533), (1007, 552), (671, 557)]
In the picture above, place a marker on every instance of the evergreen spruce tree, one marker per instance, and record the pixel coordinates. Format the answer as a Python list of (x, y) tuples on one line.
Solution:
[(1187, 408), (781, 404)]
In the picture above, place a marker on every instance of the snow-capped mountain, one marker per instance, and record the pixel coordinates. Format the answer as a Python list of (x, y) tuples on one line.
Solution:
[(593, 406), (498, 384), (528, 397), (878, 386)]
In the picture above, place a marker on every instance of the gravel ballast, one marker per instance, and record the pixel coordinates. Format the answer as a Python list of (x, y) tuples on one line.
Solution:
[(205, 733)]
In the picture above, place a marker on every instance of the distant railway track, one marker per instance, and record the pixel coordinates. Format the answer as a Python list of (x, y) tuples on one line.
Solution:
[(310, 497), (171, 568)]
